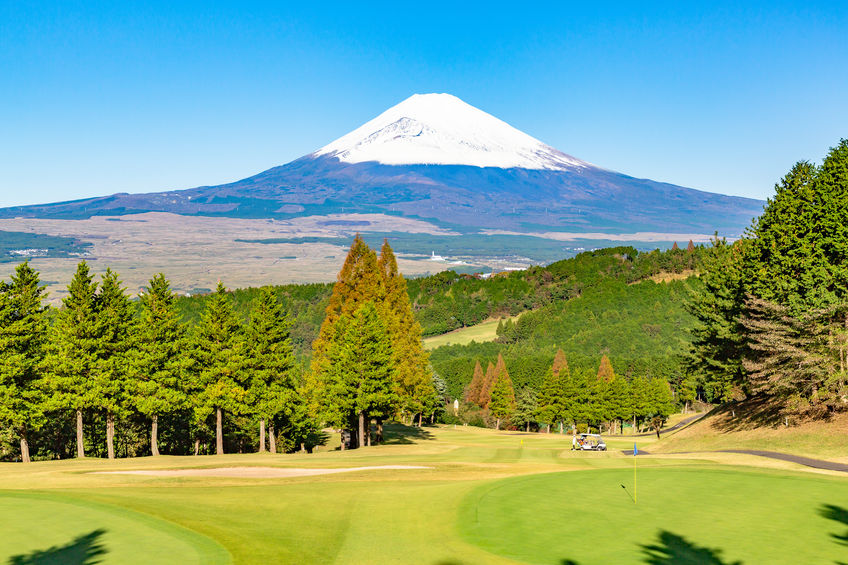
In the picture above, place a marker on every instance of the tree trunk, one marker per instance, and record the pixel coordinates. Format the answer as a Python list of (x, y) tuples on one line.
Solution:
[(219, 432), (498, 424), (528, 428), (361, 442), (154, 436), (548, 430), (262, 435), (379, 430), (272, 441), (110, 434), (80, 439), (420, 414), (368, 431), (196, 446), (634, 424), (24, 447)]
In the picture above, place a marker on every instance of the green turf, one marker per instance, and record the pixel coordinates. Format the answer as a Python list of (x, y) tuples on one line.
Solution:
[(484, 331), (488, 497), (683, 513), (47, 528)]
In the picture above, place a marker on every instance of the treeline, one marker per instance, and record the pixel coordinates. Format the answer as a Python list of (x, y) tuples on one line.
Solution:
[(111, 379), (772, 316), (568, 399)]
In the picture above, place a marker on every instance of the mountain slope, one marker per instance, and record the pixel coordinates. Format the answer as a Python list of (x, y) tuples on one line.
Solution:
[(436, 157)]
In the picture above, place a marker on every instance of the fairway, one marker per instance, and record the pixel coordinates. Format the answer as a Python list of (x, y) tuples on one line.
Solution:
[(457, 495), (590, 517), (484, 331), (53, 528)]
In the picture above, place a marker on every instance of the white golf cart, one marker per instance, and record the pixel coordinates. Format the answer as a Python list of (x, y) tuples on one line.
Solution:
[(591, 442)]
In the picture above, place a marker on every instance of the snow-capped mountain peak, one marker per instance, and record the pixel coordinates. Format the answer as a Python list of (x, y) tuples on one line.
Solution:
[(441, 129)]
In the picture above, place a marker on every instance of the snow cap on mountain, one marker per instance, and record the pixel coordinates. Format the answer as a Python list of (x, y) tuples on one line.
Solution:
[(441, 129)]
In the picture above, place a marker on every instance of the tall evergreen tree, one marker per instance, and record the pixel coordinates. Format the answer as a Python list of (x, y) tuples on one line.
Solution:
[(271, 361), (502, 403), (23, 335), (73, 351), (526, 407), (219, 364), (358, 282), (718, 343), (114, 320), (413, 376), (158, 359), (555, 398), (360, 375)]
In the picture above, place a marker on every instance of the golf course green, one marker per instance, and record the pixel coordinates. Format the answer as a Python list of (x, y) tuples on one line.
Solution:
[(473, 496), (718, 515), (52, 528)]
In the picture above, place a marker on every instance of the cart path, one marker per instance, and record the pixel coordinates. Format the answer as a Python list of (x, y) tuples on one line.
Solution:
[(806, 461)]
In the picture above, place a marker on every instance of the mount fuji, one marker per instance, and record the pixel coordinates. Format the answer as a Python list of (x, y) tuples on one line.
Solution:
[(436, 158)]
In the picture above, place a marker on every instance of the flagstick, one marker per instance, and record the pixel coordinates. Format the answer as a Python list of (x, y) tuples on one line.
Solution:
[(634, 473)]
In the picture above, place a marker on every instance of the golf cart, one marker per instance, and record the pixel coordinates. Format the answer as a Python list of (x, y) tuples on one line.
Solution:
[(591, 442)]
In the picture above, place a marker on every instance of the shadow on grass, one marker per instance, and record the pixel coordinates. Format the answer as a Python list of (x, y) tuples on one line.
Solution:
[(83, 550), (395, 434), (837, 514), (672, 549)]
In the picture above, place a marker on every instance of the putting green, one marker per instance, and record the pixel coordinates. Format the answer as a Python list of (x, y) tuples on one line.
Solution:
[(52, 528), (682, 515)]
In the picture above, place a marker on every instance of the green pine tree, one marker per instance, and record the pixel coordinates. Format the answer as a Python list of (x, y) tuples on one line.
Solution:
[(526, 407), (271, 362), (361, 372), (114, 321), (219, 364), (158, 359), (502, 403), (23, 336), (73, 352)]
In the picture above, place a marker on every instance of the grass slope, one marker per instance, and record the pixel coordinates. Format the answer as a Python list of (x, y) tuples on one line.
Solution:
[(484, 331), (423, 515), (755, 424)]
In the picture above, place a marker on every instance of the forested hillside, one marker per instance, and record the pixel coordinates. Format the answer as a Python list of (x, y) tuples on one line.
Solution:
[(448, 301), (599, 302)]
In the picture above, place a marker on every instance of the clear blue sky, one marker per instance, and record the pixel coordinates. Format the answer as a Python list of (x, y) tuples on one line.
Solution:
[(97, 98)]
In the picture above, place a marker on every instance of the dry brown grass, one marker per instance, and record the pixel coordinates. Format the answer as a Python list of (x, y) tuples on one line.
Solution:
[(756, 424)]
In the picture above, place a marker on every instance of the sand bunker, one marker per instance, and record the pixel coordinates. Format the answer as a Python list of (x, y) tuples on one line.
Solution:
[(254, 472)]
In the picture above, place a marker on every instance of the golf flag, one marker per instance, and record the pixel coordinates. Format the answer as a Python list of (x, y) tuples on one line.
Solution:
[(635, 453)]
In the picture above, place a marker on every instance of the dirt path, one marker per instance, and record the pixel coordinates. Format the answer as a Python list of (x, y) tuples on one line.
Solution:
[(254, 472)]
